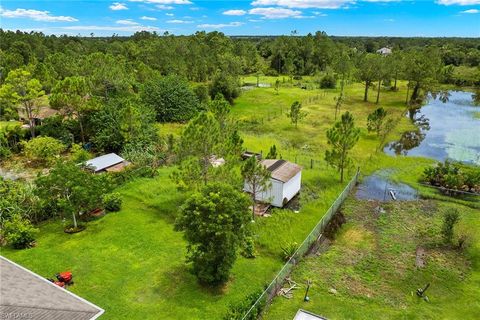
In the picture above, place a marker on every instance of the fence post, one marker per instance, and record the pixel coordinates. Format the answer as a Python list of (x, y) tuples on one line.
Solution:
[(311, 163)]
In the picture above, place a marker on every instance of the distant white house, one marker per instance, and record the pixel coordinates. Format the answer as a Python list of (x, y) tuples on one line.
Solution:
[(384, 51), (286, 179), (108, 162)]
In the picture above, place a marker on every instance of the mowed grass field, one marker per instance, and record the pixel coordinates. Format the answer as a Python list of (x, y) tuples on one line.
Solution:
[(132, 263)]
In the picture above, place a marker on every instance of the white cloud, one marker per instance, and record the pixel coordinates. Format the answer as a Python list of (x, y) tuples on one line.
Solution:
[(472, 11), (127, 22), (304, 4), (319, 14), (148, 18), (275, 13), (234, 12), (34, 15), (112, 28), (163, 7), (169, 14), (176, 21), (458, 2), (389, 20), (118, 6), (164, 1), (220, 25)]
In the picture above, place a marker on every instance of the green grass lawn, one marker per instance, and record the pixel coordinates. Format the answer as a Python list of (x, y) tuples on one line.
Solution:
[(371, 264), (132, 263)]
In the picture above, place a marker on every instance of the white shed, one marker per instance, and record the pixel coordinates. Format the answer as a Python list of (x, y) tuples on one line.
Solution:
[(286, 179)]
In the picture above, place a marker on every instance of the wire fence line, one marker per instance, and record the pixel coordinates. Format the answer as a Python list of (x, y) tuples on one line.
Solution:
[(269, 293)]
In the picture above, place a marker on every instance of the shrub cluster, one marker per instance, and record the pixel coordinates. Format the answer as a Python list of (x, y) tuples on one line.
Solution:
[(454, 176), (238, 311), (112, 201)]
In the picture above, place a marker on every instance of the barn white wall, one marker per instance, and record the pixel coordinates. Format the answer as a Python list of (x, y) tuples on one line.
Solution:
[(278, 190), (292, 186), (273, 195)]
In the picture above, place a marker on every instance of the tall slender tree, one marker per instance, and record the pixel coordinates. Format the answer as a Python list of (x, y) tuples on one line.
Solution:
[(257, 179), (342, 137), (296, 114), (368, 71), (200, 140)]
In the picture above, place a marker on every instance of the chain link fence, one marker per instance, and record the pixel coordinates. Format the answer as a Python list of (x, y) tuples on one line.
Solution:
[(277, 283)]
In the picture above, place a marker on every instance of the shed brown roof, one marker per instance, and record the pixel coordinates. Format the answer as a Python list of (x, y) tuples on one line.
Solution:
[(281, 170)]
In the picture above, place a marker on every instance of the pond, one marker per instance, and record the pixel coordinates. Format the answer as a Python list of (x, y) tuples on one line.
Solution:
[(447, 127)]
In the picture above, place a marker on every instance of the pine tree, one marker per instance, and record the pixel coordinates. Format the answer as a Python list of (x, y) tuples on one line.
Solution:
[(342, 137)]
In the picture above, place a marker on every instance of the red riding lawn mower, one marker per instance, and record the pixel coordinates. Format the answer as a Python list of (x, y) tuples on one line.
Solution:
[(64, 279)]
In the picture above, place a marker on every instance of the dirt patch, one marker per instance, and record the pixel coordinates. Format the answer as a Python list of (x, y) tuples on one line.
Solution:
[(337, 221), (420, 257)]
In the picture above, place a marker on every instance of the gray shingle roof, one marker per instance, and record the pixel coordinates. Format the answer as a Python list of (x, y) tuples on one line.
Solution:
[(26, 295), (281, 170), (105, 161)]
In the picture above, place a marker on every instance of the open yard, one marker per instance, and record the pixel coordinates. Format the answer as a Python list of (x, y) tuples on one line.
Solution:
[(371, 266), (132, 263)]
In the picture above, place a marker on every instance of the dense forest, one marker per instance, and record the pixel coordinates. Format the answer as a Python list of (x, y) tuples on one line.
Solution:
[(101, 82)]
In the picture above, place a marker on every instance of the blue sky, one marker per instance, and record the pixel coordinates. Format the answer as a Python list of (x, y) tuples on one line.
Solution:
[(255, 17)]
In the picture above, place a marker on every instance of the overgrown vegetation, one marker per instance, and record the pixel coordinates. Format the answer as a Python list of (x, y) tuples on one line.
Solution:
[(453, 177)]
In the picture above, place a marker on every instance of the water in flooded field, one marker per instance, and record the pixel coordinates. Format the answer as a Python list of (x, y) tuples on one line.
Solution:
[(446, 128)]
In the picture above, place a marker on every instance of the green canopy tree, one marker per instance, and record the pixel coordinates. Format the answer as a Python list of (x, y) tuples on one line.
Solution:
[(123, 121), (71, 95), (375, 120), (227, 85), (296, 114), (257, 178), (215, 222), (200, 140), (368, 71), (344, 67), (342, 137), (220, 108), (422, 69), (72, 190), (23, 90), (171, 97)]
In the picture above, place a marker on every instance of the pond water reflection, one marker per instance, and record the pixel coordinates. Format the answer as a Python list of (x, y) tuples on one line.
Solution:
[(446, 128)]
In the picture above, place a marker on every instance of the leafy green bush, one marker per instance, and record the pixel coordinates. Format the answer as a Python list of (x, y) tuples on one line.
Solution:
[(78, 154), (238, 310), (453, 176), (288, 250), (227, 85), (19, 232), (112, 201), (43, 149), (328, 82), (248, 248), (450, 219)]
